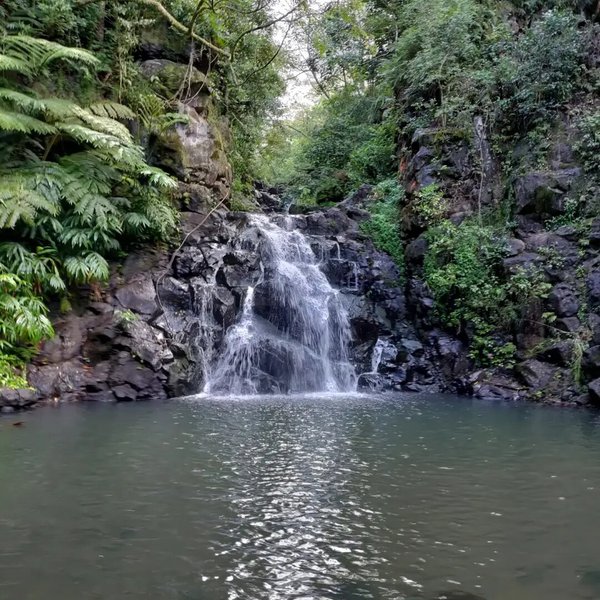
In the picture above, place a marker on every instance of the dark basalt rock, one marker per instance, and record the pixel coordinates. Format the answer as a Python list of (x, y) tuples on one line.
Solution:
[(544, 193), (594, 389), (593, 288), (12, 400), (535, 374), (563, 300), (138, 296)]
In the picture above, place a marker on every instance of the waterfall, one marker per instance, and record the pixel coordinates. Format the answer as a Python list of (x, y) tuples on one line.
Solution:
[(293, 333), (376, 357)]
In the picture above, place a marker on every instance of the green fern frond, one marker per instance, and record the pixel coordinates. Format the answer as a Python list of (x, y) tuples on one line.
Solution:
[(23, 101), (19, 200), (159, 178), (38, 267), (112, 110), (58, 109), (92, 208), (104, 125), (134, 220), (38, 52), (86, 268), (10, 63), (18, 122)]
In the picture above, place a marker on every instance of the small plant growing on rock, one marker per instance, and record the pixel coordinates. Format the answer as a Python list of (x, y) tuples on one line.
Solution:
[(430, 205), (123, 317)]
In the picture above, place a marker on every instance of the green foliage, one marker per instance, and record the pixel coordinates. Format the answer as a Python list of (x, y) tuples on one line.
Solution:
[(439, 56), (345, 140), (383, 226), (74, 185), (462, 269), (588, 145), (539, 71), (429, 204), (9, 373)]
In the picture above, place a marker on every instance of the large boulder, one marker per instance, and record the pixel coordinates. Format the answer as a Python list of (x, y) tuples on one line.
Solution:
[(594, 389), (563, 300), (138, 296), (544, 193), (175, 77), (535, 374)]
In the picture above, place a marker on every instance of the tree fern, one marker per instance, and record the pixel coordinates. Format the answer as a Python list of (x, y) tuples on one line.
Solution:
[(20, 200), (112, 110), (17, 65), (38, 53), (22, 123), (39, 267), (60, 215)]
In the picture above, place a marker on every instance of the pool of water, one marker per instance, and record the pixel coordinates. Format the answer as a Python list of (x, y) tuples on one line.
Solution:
[(398, 497)]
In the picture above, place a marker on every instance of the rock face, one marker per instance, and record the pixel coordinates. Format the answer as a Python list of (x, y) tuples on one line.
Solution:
[(556, 341), (160, 325)]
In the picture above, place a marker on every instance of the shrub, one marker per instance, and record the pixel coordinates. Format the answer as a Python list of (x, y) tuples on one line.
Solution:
[(462, 270), (383, 226), (539, 71)]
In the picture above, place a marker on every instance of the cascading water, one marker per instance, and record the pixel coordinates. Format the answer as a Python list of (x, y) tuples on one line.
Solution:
[(293, 334), (376, 357)]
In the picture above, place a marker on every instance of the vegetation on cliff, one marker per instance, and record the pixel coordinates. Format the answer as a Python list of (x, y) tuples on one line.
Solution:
[(77, 119), (486, 114)]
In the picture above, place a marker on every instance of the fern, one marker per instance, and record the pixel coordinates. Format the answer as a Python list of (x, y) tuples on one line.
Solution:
[(89, 267), (159, 178), (133, 221), (17, 65), (60, 215), (112, 110), (40, 267), (19, 200), (38, 53), (21, 123)]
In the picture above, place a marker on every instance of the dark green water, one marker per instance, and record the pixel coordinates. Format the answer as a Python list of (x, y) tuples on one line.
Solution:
[(314, 498)]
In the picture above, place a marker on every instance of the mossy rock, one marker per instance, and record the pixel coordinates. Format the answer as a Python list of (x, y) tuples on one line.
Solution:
[(170, 76)]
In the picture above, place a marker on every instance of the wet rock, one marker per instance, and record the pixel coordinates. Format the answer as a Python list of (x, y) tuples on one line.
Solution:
[(372, 382), (592, 360), (62, 380), (17, 399), (568, 324), (514, 247), (416, 251), (523, 261), (544, 193), (593, 288), (594, 324), (175, 293), (172, 75), (125, 393), (559, 353), (144, 343), (563, 300), (138, 296), (535, 374), (194, 151), (102, 396), (491, 391), (594, 235), (594, 390), (67, 342)]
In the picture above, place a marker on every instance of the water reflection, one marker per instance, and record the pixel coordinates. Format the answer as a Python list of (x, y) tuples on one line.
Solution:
[(300, 497), (349, 498)]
